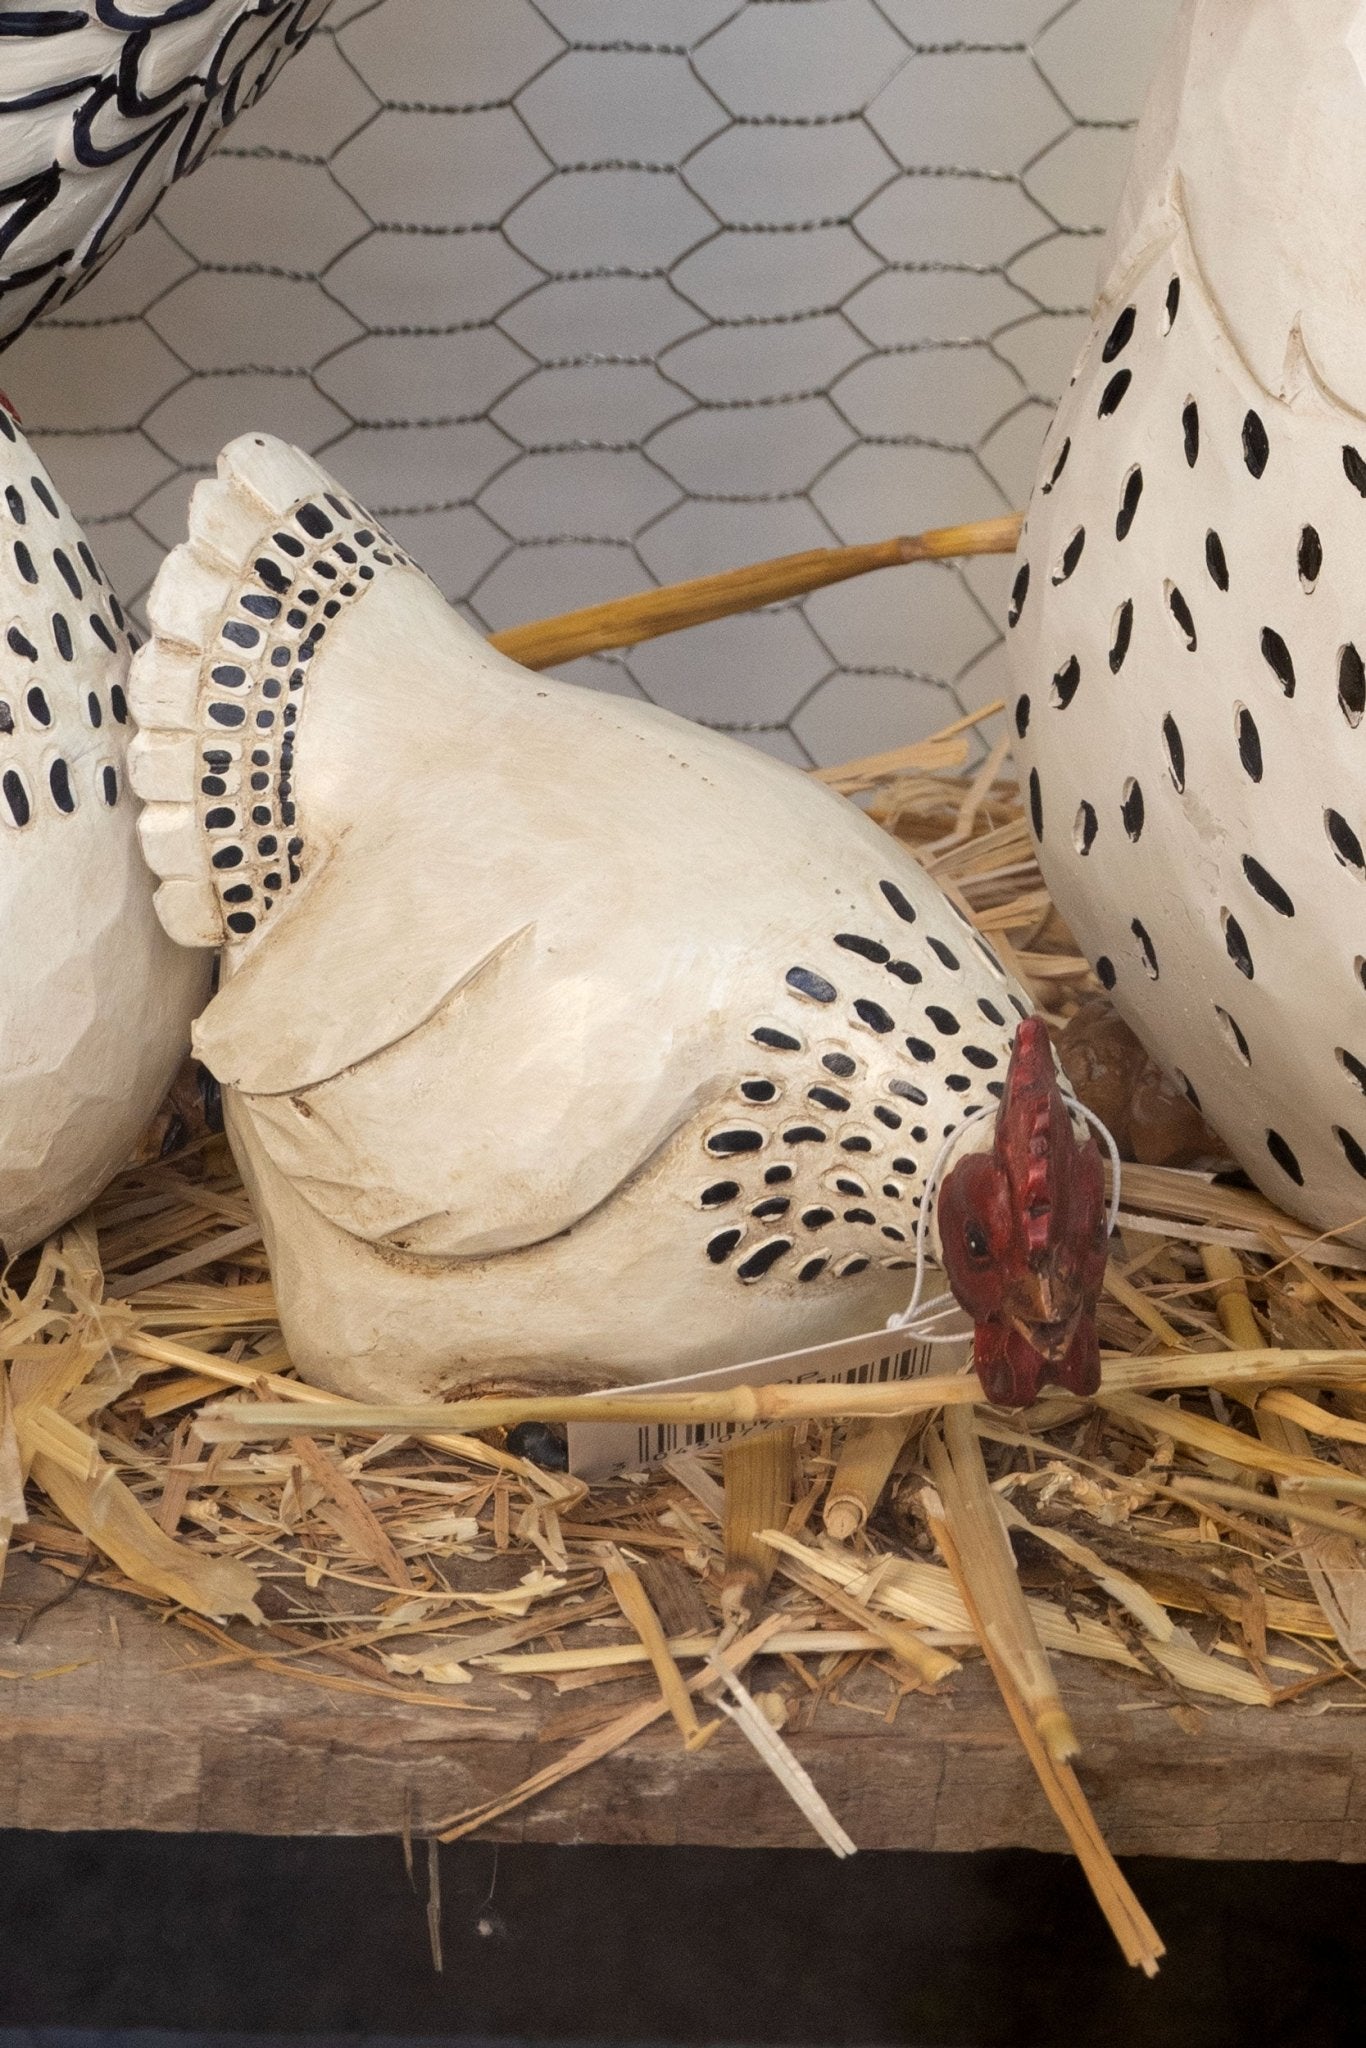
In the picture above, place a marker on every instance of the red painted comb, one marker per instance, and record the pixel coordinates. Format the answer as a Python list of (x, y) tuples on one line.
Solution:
[(1034, 1141)]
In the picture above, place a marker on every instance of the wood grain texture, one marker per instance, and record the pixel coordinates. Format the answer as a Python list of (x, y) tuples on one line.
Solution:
[(134, 1737)]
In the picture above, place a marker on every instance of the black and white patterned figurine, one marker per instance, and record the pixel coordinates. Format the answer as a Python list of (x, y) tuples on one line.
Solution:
[(103, 103), (1189, 613), (95, 1005), (559, 1037)]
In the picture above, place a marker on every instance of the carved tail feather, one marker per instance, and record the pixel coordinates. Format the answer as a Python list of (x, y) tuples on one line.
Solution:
[(275, 552)]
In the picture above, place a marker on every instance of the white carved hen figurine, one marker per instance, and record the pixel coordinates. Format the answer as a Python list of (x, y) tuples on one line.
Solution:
[(561, 1038), (95, 1005), (102, 104), (1189, 614)]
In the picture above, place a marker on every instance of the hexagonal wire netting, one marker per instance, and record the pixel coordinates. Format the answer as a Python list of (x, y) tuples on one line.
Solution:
[(584, 295)]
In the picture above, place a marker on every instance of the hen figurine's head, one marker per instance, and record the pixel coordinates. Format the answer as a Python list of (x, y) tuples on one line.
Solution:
[(1023, 1234)]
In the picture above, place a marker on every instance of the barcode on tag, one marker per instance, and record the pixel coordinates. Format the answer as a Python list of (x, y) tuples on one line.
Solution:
[(599, 1450)]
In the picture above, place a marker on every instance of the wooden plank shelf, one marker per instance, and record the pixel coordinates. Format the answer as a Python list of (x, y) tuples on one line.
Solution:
[(132, 1735)]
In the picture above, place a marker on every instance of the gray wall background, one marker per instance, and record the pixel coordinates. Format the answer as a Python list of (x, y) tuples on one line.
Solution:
[(583, 295)]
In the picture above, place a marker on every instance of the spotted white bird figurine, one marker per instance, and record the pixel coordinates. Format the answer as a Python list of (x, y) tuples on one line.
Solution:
[(102, 104), (95, 1003), (563, 1040), (1189, 613)]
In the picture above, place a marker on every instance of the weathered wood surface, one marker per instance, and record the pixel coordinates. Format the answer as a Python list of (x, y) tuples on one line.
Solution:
[(134, 1737)]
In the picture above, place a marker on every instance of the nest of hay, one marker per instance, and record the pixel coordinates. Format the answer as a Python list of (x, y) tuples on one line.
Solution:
[(1198, 1528)]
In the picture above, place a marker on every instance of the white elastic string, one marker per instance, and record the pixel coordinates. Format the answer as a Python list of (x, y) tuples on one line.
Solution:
[(916, 1314)]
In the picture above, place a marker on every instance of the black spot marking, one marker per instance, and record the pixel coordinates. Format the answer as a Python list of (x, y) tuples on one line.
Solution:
[(753, 1091), (722, 1144), (1066, 683), (1119, 336), (1309, 557), (942, 953), (272, 575), (804, 1134), (763, 1259), (15, 500), (241, 922), (805, 982), (227, 714), (848, 1267), (1249, 743), (1233, 1031), (1256, 447), (859, 1216), (16, 796), (23, 562), (1022, 715), (827, 1098), (1276, 655), (220, 819), (1176, 752), (109, 782), (771, 1206), (1351, 684), (903, 909), (1131, 809), (811, 1269), (816, 1219), (1344, 840), (39, 709), (1352, 1151), (227, 857), (874, 1016), (775, 1175), (1235, 939), (1284, 1157), (45, 497), (1354, 469), (1181, 613), (21, 645), (942, 1019), (59, 782), (871, 949), (259, 606), (1019, 591), (1112, 396), (240, 633), (720, 1191), (907, 1091), (856, 1144), (1128, 504), (1173, 300), (1216, 561), (1121, 635), (1105, 971), (778, 1041), (1267, 887), (101, 632), (314, 521), (1149, 951), (1035, 803), (1350, 1064), (920, 1050), (1190, 431), (1058, 467), (722, 1244), (904, 971), (886, 1116), (1070, 556), (839, 1063)]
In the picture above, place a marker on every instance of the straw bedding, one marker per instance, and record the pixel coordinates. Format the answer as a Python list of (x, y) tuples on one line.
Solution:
[(1199, 1528)]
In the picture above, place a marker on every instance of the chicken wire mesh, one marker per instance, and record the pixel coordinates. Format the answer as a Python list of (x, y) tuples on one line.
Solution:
[(584, 295)]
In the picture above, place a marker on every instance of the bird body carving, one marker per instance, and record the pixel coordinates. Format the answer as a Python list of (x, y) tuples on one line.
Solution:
[(560, 1038), (95, 1003), (1187, 626)]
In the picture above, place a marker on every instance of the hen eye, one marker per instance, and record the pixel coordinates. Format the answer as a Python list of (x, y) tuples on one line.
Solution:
[(976, 1240)]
